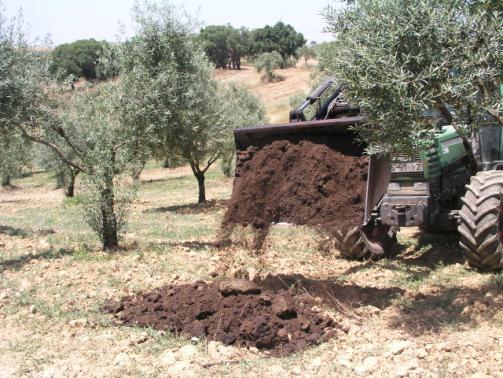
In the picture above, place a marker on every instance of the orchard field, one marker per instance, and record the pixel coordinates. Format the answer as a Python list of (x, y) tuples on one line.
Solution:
[(422, 313)]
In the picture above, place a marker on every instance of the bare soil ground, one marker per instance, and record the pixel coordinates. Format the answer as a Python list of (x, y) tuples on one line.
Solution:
[(423, 313)]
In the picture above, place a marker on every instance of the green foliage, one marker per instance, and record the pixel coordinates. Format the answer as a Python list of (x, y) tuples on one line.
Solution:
[(282, 38), (104, 147), (268, 62), (225, 45), (14, 156), (21, 76), (404, 61), (306, 52), (80, 59)]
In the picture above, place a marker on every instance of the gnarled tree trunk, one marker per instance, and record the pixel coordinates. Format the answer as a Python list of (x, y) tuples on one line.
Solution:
[(70, 189), (109, 237), (6, 180)]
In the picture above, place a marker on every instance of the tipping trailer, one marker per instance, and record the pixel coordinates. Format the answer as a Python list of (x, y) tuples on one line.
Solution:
[(457, 183)]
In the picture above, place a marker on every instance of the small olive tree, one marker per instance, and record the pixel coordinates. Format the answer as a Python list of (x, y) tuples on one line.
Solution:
[(268, 62), (104, 147), (171, 90), (402, 60)]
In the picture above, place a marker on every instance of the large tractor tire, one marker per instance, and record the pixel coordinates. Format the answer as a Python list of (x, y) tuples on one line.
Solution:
[(480, 226)]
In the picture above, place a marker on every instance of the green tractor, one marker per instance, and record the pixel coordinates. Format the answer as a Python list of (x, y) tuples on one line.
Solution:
[(456, 183)]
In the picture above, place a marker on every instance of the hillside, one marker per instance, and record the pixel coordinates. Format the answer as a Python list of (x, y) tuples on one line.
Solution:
[(276, 96)]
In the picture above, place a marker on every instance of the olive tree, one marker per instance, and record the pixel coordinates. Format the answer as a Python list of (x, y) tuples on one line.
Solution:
[(268, 62), (95, 138), (403, 61), (171, 90)]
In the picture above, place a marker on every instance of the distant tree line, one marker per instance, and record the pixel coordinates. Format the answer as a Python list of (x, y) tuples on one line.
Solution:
[(225, 45)]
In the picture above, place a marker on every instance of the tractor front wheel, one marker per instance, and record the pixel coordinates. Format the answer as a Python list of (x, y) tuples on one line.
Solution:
[(481, 221)]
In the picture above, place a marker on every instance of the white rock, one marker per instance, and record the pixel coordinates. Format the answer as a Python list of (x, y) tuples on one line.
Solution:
[(401, 371), (121, 359), (397, 347), (252, 273), (77, 323), (181, 369), (187, 352), (422, 353), (4, 295), (367, 365), (168, 357)]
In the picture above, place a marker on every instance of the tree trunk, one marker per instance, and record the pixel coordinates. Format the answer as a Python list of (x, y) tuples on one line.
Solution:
[(60, 179), (166, 163), (70, 189), (202, 188), (6, 180), (137, 173), (109, 235)]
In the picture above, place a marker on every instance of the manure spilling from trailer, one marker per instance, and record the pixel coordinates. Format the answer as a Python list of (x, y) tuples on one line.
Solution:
[(305, 182)]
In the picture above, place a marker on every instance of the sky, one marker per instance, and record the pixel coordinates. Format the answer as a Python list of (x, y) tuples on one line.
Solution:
[(70, 20)]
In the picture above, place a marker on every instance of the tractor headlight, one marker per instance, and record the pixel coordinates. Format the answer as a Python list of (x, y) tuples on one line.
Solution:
[(420, 186), (394, 186)]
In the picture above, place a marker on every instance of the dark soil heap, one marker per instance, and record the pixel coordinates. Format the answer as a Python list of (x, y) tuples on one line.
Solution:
[(234, 312), (303, 182)]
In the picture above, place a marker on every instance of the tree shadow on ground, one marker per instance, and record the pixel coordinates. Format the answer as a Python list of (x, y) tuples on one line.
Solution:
[(13, 231), (49, 254), (172, 179), (193, 244), (337, 295), (431, 251), (190, 208), (446, 307)]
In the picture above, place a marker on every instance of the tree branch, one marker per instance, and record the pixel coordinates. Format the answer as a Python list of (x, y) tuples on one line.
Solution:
[(55, 148), (211, 161)]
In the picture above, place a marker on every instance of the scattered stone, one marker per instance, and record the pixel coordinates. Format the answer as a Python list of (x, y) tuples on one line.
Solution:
[(252, 273), (236, 287), (372, 310), (367, 365), (140, 339), (168, 357), (4, 295), (187, 352), (421, 353), (397, 347), (32, 309), (77, 323), (121, 359), (315, 309)]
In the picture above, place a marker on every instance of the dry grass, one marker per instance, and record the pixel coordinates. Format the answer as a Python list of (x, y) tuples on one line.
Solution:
[(274, 95), (54, 279)]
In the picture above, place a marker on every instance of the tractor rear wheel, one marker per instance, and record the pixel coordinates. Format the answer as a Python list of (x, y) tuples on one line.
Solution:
[(481, 220), (351, 245)]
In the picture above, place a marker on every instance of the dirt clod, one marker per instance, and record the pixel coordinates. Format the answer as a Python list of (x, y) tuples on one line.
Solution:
[(236, 287), (315, 183), (251, 316)]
